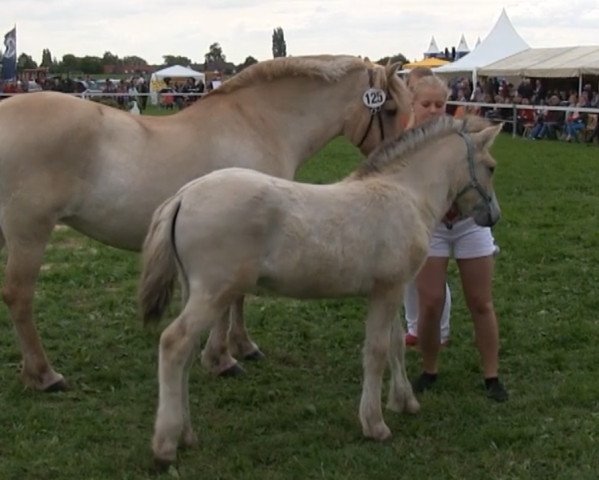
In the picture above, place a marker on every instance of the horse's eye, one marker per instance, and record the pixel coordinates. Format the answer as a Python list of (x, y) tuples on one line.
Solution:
[(492, 170)]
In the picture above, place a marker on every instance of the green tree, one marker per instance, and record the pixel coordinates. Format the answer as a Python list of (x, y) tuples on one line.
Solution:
[(110, 59), (25, 61), (248, 61), (133, 60), (215, 55), (91, 65), (170, 60), (394, 59), (46, 58), (279, 47), (69, 63)]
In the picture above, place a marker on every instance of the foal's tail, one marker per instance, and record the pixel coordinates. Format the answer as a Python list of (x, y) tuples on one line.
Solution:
[(159, 262)]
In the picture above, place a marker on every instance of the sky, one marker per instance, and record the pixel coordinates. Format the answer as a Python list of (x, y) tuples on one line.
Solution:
[(151, 29)]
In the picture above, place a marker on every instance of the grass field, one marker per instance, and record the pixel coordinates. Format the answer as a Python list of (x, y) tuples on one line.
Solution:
[(294, 415)]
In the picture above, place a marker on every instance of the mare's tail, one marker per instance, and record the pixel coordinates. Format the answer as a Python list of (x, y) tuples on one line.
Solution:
[(159, 262)]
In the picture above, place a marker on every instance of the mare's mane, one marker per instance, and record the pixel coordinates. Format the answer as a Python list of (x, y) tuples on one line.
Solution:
[(396, 151), (329, 68)]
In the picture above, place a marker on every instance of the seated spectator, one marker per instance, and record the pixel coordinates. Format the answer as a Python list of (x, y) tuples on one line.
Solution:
[(575, 122), (167, 98), (547, 121), (525, 117)]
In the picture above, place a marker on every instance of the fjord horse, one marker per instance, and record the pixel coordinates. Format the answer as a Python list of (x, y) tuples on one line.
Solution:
[(103, 171), (236, 229)]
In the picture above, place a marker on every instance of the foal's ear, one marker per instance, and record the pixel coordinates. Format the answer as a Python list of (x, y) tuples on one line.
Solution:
[(486, 137)]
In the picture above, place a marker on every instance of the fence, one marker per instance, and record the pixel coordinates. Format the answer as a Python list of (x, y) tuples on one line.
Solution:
[(512, 119), (515, 107)]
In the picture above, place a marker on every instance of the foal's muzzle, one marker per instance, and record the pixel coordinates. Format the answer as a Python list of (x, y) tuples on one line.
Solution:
[(487, 213)]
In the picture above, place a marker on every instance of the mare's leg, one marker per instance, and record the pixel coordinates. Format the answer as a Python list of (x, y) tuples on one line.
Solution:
[(229, 341), (382, 310), (216, 357), (177, 344), (401, 397), (240, 342), (26, 240)]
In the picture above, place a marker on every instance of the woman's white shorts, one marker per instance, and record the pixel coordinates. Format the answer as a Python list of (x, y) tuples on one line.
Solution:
[(464, 240)]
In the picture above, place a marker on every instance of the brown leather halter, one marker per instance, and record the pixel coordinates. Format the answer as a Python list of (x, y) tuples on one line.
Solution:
[(374, 112)]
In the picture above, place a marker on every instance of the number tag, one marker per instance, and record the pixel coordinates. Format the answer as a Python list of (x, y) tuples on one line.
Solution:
[(374, 98)]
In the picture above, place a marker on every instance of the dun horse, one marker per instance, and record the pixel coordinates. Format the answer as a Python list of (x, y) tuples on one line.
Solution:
[(103, 171), (233, 230)]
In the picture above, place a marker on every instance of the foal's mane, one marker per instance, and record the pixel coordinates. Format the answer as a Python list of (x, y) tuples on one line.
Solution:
[(396, 151), (329, 68)]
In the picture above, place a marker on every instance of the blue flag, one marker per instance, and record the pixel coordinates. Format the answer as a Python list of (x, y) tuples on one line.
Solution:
[(9, 58)]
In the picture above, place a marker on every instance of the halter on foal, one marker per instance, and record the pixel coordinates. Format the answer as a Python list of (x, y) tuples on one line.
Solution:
[(235, 229)]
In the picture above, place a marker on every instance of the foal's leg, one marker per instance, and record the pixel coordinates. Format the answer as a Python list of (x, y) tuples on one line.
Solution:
[(24, 258), (401, 395), (177, 344), (188, 436), (381, 312)]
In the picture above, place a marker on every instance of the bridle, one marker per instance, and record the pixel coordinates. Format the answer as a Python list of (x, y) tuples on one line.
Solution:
[(474, 183), (375, 110)]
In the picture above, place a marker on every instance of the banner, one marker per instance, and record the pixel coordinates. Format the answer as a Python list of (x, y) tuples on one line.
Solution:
[(9, 57)]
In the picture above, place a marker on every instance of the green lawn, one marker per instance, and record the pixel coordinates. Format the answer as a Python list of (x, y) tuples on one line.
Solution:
[(294, 415)]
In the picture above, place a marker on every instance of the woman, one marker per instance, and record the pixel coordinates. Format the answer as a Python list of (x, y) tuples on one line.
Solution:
[(431, 101), (473, 247)]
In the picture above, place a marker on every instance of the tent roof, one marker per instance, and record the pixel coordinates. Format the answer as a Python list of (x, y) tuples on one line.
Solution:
[(427, 62), (463, 46), (432, 48), (178, 71), (547, 62), (502, 41)]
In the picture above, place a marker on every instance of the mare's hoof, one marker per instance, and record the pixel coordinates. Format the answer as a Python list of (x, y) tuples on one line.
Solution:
[(162, 465), (255, 355), (233, 371), (59, 386)]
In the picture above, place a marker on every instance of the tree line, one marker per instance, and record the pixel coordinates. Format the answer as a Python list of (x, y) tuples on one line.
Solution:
[(214, 59)]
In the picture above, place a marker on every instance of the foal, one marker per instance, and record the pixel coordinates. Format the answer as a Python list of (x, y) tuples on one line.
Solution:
[(235, 229)]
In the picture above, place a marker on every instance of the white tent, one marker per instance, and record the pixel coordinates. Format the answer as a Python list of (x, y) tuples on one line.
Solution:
[(560, 62), (462, 49), (174, 71), (502, 41), (177, 71), (433, 50)]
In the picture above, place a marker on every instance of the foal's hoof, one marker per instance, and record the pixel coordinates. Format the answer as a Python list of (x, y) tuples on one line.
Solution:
[(255, 355), (59, 386), (379, 432), (233, 371)]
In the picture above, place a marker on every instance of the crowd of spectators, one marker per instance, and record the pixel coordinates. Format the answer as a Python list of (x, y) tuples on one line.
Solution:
[(567, 123), (544, 121), (116, 92)]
